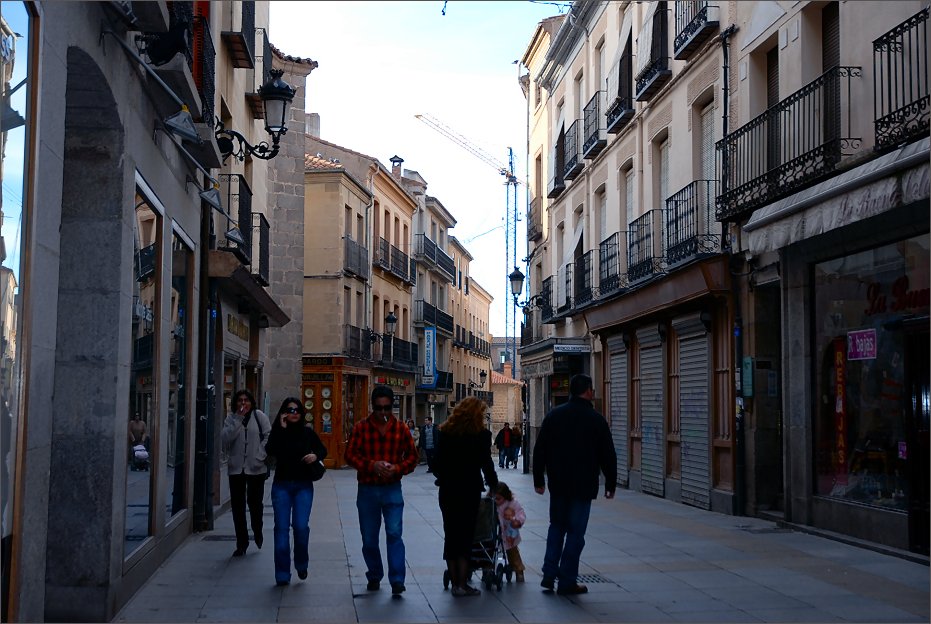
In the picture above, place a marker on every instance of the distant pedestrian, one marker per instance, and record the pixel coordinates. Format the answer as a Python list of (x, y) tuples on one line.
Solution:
[(243, 441), (516, 440), (573, 444), (511, 517), (503, 442), (382, 450), (296, 449), (415, 431), (462, 458), (428, 441)]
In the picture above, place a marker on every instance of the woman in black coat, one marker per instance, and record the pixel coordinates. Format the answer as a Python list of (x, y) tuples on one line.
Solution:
[(298, 454), (463, 455)]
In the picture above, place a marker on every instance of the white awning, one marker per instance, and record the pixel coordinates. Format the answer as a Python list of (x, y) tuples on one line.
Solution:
[(895, 179), (614, 86), (645, 39)]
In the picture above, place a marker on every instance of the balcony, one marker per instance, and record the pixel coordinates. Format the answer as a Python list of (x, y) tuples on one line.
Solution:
[(427, 314), (546, 303), (382, 257), (695, 23), (443, 382), (656, 73), (459, 337), (260, 251), (584, 291), (356, 259), (645, 254), (261, 75), (900, 83), (792, 145), (357, 342), (237, 198), (177, 71), (412, 273), (392, 352), (572, 155), (484, 395), (400, 264), (145, 263), (610, 278), (535, 220), (426, 250), (240, 38), (690, 223), (595, 137)]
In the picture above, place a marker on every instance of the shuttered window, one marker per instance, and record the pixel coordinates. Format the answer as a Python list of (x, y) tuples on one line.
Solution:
[(772, 98), (830, 36), (629, 181), (707, 143)]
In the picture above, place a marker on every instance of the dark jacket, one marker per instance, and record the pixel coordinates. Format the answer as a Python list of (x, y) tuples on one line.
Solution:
[(574, 443), (288, 446), (499, 439), (461, 460), (423, 437)]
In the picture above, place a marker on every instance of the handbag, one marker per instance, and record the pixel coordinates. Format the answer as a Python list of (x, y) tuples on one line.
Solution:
[(317, 470)]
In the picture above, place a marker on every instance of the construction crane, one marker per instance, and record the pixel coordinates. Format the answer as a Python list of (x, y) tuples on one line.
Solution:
[(511, 218)]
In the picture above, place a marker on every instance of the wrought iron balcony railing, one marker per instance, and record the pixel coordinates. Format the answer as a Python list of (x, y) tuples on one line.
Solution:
[(260, 251), (427, 314), (535, 220), (793, 144), (645, 254), (400, 263), (484, 395), (900, 82), (690, 223), (412, 275), (546, 300), (426, 249), (572, 155), (695, 22), (584, 291), (392, 352), (357, 343), (204, 67), (145, 263), (382, 257), (611, 277), (619, 103), (595, 136), (237, 198), (240, 38), (356, 258), (444, 382), (656, 72)]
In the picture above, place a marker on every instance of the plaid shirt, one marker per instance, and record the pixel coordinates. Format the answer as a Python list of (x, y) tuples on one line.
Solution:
[(368, 445)]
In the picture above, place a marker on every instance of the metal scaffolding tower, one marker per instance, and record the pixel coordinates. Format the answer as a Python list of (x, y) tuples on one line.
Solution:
[(510, 229)]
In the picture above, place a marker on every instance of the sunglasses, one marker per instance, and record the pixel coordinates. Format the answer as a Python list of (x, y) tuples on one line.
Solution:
[(293, 410), (382, 408)]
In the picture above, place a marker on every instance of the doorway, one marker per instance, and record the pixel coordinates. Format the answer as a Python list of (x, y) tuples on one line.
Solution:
[(917, 429), (767, 399)]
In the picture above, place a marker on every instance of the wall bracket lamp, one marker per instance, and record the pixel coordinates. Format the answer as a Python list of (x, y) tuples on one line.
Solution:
[(517, 286), (276, 95), (482, 377), (391, 323)]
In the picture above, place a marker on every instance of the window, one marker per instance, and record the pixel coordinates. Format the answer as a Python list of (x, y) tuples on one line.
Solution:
[(630, 207)]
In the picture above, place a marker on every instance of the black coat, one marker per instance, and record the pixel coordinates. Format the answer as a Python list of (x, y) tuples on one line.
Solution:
[(288, 446), (573, 445), (461, 460)]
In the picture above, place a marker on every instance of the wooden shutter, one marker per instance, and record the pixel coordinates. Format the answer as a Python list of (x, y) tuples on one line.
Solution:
[(830, 36), (707, 143)]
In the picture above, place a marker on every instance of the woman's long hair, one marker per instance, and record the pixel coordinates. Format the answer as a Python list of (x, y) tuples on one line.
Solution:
[(468, 417), (246, 394), (284, 408)]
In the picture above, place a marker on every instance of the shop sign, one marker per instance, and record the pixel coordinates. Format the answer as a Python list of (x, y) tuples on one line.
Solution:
[(899, 298), (571, 348), (428, 377), (537, 369), (392, 381), (317, 377), (861, 344), (318, 361), (236, 327)]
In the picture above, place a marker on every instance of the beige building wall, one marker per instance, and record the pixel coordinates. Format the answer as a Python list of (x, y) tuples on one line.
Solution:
[(392, 217)]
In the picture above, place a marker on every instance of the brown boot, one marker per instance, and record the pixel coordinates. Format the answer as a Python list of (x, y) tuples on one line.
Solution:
[(519, 577)]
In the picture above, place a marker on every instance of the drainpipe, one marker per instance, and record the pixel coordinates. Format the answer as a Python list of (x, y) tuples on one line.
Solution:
[(739, 443)]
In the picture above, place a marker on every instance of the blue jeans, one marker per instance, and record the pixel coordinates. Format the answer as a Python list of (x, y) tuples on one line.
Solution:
[(291, 501), (565, 538), (373, 502)]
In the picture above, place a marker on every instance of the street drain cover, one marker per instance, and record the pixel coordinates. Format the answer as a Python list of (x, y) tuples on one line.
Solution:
[(592, 578)]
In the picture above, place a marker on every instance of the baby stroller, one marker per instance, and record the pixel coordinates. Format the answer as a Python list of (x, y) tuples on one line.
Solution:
[(140, 458), (488, 553)]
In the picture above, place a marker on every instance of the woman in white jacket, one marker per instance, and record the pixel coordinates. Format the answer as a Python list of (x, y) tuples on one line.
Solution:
[(244, 434)]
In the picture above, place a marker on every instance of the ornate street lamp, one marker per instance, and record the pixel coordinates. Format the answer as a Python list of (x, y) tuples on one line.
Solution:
[(276, 96)]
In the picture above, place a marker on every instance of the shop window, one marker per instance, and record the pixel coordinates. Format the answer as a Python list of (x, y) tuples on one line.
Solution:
[(865, 305), (178, 433)]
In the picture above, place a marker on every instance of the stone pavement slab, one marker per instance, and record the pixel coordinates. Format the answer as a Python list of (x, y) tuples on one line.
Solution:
[(646, 559)]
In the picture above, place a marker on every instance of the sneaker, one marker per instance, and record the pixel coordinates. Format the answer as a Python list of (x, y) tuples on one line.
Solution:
[(373, 586), (548, 583), (465, 590), (302, 574), (397, 588), (572, 590)]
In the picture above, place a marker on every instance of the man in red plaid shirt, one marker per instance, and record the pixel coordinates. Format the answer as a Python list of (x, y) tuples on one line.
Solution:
[(382, 450)]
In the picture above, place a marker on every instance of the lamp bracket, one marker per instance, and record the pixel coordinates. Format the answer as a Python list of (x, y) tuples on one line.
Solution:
[(242, 148)]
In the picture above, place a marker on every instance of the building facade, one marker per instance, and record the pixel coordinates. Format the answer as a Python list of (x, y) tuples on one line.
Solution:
[(140, 272), (706, 225)]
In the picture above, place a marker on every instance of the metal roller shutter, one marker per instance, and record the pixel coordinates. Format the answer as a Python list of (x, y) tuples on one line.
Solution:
[(651, 412), (619, 412), (694, 417)]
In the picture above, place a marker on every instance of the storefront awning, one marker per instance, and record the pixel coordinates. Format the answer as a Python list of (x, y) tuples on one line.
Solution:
[(898, 178), (235, 279)]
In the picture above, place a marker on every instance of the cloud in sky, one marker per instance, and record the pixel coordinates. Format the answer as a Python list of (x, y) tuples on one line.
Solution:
[(380, 63)]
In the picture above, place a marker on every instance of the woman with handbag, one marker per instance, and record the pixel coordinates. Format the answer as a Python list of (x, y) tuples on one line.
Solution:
[(299, 455), (244, 433)]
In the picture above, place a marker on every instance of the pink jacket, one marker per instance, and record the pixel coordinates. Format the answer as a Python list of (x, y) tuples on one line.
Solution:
[(510, 533)]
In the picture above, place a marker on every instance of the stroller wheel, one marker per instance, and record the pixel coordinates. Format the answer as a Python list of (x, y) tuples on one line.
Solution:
[(445, 579), (508, 573), (499, 576)]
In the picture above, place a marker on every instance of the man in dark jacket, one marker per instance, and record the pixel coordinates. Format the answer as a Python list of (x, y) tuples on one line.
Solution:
[(573, 445)]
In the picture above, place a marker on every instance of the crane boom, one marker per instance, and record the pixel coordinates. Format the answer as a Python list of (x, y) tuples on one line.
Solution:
[(467, 145)]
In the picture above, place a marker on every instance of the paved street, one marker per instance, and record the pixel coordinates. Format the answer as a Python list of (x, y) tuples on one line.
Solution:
[(645, 560)]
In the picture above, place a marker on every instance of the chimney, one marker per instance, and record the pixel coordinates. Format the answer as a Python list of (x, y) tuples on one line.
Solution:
[(312, 124), (507, 369), (396, 166)]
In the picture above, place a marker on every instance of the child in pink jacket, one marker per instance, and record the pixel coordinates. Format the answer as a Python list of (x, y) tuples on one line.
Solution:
[(511, 518)]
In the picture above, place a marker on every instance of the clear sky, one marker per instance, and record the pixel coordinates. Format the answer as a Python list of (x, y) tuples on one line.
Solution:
[(380, 63)]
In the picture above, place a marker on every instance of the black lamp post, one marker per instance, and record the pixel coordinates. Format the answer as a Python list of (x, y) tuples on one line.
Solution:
[(482, 376), (391, 323), (276, 96)]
